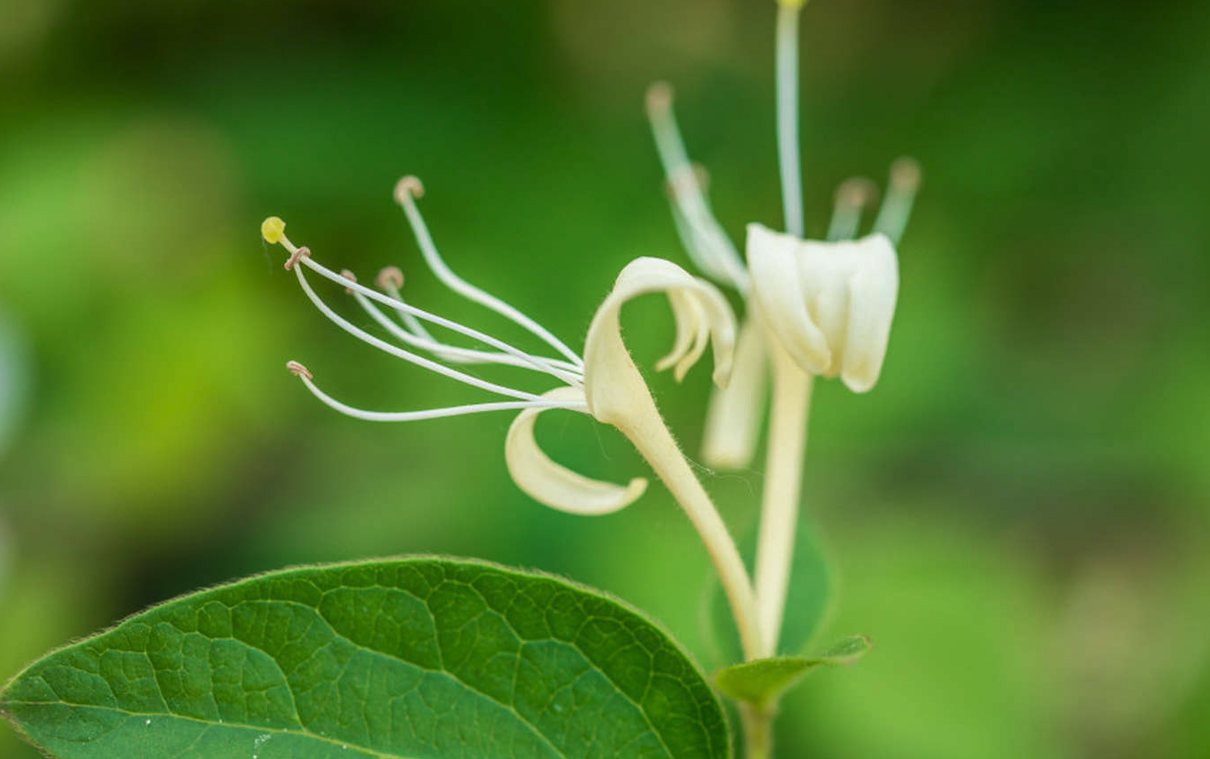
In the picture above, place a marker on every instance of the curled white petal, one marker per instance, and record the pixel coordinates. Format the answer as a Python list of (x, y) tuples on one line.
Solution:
[(830, 304), (554, 485), (692, 334), (611, 381), (773, 262), (734, 418), (873, 291)]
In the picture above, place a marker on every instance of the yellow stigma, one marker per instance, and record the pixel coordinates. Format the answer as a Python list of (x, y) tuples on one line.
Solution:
[(273, 230)]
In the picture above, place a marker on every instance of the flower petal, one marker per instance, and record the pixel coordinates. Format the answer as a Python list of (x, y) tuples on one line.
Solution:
[(773, 259), (692, 333), (872, 294), (554, 485), (830, 304), (612, 383), (733, 420)]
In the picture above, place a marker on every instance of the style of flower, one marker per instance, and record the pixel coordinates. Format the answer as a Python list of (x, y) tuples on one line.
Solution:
[(814, 308), (603, 382)]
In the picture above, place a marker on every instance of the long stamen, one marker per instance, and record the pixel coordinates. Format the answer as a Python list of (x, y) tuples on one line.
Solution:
[(851, 198), (787, 116), (704, 239), (399, 352), (406, 192), (465, 355), (897, 207), (303, 374), (276, 234), (390, 281)]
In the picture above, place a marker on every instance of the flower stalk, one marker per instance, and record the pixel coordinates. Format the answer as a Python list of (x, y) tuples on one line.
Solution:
[(758, 730), (782, 491), (646, 429)]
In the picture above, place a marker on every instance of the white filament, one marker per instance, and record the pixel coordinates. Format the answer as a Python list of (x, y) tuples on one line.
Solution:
[(901, 195), (787, 117), (415, 416), (409, 320), (704, 239), (398, 305), (466, 355), (401, 353), (851, 199), (469, 291)]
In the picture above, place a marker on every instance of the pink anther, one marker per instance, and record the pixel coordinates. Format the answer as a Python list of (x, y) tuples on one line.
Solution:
[(296, 255), (298, 370)]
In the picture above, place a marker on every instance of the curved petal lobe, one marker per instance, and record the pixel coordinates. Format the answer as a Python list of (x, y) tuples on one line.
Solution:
[(830, 304), (773, 260), (612, 383), (734, 418), (554, 485), (872, 294), (692, 333)]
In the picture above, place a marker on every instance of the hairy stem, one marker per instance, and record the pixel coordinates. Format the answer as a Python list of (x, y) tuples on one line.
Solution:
[(651, 436)]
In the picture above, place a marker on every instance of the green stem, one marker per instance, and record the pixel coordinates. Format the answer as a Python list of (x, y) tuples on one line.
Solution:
[(758, 731)]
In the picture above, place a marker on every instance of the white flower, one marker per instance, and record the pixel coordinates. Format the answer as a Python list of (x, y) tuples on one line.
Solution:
[(797, 292), (830, 304), (604, 383), (813, 309)]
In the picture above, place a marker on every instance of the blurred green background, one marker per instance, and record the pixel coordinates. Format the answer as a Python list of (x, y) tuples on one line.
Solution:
[(1019, 510)]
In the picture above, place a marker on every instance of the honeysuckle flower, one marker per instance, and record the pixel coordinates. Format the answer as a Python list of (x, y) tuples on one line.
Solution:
[(795, 289), (829, 304), (603, 382), (813, 308)]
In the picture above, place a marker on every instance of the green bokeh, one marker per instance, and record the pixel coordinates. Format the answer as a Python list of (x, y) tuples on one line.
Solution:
[(1019, 509)]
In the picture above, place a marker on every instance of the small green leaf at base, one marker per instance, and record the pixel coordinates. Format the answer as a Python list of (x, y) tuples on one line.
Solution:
[(763, 681), (414, 658)]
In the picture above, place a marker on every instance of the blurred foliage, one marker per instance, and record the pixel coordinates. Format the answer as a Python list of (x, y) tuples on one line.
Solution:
[(1019, 510)]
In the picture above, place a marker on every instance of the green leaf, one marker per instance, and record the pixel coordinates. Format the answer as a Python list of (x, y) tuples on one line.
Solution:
[(417, 657), (763, 681), (808, 602)]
